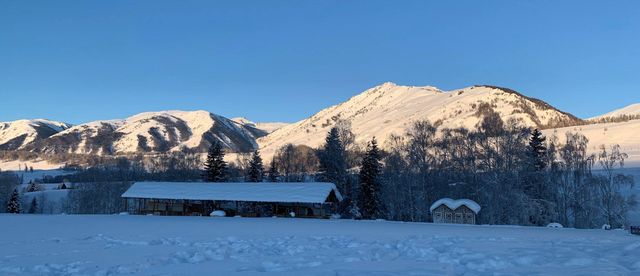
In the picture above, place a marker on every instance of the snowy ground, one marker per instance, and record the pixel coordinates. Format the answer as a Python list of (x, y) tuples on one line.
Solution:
[(17, 165), (146, 245)]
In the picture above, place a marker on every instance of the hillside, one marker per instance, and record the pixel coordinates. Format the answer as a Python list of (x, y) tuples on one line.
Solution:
[(390, 108), (625, 134), (17, 134), (151, 132), (630, 110)]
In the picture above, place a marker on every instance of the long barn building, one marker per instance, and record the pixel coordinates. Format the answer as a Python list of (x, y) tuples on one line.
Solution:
[(316, 199)]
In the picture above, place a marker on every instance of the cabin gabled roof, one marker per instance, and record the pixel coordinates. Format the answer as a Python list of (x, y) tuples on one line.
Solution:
[(299, 192), (455, 204)]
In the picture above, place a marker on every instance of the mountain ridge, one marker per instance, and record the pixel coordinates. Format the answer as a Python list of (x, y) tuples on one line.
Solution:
[(390, 108), (379, 111)]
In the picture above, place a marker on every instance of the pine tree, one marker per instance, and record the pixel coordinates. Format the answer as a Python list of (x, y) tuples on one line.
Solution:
[(333, 163), (538, 150), (34, 206), (215, 168), (273, 175), (13, 206), (370, 198), (33, 187), (256, 169), (536, 186)]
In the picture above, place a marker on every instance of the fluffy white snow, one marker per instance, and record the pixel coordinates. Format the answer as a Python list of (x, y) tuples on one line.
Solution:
[(150, 245), (455, 203), (307, 192)]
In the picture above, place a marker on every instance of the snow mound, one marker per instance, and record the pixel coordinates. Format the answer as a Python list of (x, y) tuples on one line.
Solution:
[(456, 203), (555, 225), (218, 213)]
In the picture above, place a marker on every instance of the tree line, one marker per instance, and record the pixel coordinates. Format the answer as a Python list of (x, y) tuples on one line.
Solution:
[(516, 174)]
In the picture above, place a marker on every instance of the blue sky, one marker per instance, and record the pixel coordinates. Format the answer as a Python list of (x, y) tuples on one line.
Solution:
[(78, 61)]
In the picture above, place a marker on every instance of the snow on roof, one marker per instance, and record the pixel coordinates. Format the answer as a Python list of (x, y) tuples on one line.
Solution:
[(307, 192), (455, 203)]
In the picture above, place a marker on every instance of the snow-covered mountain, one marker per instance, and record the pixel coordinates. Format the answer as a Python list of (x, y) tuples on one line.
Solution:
[(17, 134), (630, 110), (390, 108), (379, 111), (152, 132), (267, 127)]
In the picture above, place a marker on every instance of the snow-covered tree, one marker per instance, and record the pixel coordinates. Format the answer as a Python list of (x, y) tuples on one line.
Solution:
[(13, 206), (370, 200), (34, 187), (215, 167), (256, 169)]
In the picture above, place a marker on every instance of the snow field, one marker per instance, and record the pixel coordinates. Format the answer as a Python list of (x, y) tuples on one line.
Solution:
[(148, 245)]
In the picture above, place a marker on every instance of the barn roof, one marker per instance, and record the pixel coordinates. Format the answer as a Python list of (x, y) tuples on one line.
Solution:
[(455, 204), (304, 192)]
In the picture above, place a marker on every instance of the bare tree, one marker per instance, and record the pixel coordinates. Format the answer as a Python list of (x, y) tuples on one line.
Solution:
[(611, 183)]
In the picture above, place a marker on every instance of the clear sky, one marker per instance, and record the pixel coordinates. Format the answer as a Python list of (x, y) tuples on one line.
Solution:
[(78, 61)]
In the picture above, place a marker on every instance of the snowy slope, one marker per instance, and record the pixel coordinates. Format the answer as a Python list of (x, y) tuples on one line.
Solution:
[(152, 245), (630, 110), (391, 108), (625, 134), (17, 134), (152, 132)]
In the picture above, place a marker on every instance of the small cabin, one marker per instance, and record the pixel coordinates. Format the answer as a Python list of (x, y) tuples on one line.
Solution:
[(462, 211), (313, 200)]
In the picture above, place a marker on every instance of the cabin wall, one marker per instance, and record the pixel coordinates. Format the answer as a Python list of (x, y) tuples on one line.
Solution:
[(165, 207), (461, 215)]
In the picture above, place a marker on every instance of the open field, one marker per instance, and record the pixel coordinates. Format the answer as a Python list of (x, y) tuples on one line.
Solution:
[(148, 245)]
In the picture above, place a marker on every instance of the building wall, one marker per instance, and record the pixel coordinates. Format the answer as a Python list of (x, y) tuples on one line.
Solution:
[(232, 208), (462, 215)]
